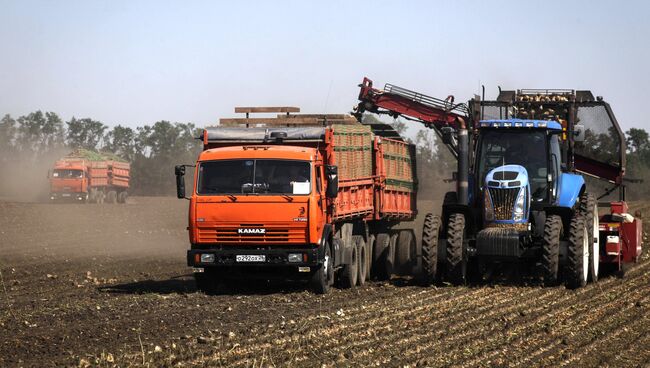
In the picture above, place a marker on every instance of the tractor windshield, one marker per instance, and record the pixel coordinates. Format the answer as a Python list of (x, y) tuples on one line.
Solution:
[(254, 177), (526, 148)]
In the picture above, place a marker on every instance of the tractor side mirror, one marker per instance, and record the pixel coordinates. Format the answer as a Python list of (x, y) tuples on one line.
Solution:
[(447, 135), (332, 173), (179, 170), (579, 133)]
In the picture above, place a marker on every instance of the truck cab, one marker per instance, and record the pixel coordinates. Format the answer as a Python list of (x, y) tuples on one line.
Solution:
[(69, 180), (267, 201)]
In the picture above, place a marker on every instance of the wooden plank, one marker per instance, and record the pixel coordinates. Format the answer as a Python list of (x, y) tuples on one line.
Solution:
[(231, 122), (246, 110), (319, 116)]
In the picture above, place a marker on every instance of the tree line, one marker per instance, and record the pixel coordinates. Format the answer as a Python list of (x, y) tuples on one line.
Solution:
[(40, 138), (152, 150)]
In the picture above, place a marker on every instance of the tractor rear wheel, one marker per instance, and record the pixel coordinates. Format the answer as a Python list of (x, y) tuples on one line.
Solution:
[(379, 255), (577, 268), (430, 232), (589, 207), (456, 250), (551, 249)]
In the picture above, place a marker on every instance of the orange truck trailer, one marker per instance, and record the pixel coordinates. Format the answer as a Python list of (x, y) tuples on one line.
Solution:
[(304, 197), (81, 179)]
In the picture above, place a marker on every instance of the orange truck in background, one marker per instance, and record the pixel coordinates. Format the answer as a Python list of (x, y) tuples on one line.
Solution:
[(81, 179), (308, 197)]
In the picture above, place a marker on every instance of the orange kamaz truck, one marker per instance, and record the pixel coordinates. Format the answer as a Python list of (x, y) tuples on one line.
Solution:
[(307, 197), (84, 176)]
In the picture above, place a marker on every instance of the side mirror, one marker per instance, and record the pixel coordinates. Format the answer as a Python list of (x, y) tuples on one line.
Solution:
[(332, 173), (447, 135), (179, 170), (579, 133)]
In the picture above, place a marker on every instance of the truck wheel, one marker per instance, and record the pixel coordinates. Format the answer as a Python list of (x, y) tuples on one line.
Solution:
[(430, 232), (577, 268), (551, 249), (589, 207), (350, 271), (405, 243), (121, 197), (323, 278), (456, 250), (100, 197), (111, 197), (360, 244), (379, 255), (390, 255), (369, 247)]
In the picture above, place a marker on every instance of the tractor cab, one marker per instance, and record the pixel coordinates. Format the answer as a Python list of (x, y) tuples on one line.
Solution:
[(518, 167)]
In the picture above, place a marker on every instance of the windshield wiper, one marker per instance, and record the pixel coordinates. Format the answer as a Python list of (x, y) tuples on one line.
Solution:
[(286, 196), (232, 197)]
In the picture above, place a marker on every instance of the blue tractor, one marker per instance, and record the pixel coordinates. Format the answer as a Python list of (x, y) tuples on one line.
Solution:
[(521, 201)]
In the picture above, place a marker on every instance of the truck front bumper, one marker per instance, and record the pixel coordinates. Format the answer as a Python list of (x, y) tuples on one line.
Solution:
[(306, 256), (66, 196)]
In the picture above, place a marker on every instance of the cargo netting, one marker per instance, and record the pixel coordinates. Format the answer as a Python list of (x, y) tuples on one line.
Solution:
[(398, 165), (353, 151)]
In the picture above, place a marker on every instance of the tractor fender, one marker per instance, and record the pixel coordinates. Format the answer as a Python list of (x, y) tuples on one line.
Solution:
[(570, 187)]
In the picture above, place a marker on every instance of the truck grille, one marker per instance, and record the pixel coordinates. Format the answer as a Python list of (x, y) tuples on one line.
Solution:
[(230, 235), (503, 200)]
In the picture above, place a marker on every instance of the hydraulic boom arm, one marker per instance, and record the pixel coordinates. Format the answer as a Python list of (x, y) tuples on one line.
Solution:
[(443, 116)]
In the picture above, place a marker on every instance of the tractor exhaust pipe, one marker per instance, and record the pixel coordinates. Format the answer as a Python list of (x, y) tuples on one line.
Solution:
[(462, 183)]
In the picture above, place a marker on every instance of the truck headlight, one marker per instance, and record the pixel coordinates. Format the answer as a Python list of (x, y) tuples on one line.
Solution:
[(295, 257), (489, 208), (207, 258), (520, 205)]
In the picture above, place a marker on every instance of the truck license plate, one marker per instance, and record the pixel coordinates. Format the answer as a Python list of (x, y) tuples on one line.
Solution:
[(66, 194), (250, 258)]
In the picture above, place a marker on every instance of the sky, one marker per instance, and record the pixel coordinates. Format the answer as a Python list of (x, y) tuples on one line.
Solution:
[(137, 62)]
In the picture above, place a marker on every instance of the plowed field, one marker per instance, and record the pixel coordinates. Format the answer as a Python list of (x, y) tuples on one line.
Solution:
[(87, 285)]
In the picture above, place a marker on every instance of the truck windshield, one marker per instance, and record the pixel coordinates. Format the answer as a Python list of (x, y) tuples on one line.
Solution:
[(254, 176), (526, 148), (67, 174)]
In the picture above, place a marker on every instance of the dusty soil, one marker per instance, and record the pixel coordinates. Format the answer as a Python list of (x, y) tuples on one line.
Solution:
[(87, 285)]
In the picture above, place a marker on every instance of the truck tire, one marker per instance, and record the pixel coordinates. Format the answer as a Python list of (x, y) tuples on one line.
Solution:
[(430, 233), (111, 197), (577, 267), (589, 207), (405, 244), (350, 271), (100, 197), (121, 197), (369, 248), (360, 244), (390, 255), (323, 277), (551, 249), (456, 250), (379, 255)]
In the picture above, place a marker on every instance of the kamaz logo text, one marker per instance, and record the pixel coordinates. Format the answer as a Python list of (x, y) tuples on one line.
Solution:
[(251, 231)]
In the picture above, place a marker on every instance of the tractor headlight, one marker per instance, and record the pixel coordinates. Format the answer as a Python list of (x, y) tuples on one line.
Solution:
[(489, 208), (520, 205)]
